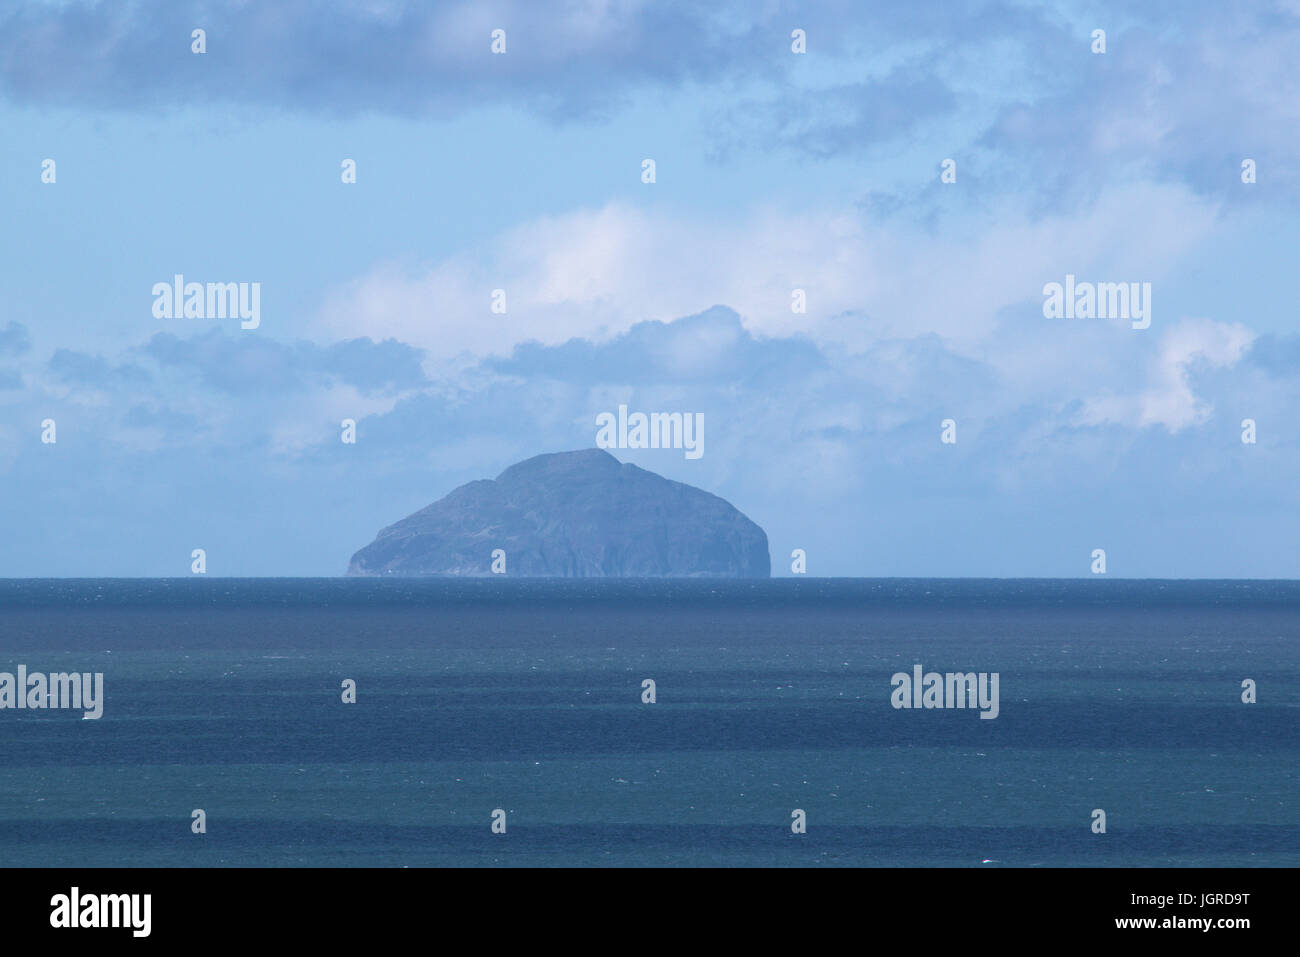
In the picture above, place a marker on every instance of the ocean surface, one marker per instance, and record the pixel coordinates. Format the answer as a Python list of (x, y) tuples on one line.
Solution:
[(226, 695)]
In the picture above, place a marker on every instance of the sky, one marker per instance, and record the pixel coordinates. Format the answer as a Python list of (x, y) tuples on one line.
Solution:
[(920, 173)]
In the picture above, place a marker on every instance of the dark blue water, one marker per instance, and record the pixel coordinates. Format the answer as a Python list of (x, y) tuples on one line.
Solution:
[(526, 696)]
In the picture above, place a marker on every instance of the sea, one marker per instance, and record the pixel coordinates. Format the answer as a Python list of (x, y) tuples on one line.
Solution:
[(509, 723)]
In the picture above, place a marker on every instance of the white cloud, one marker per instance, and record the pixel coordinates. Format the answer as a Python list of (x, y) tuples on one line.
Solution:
[(593, 273), (1167, 399)]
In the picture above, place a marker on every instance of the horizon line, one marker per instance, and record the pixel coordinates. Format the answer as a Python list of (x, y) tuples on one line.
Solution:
[(613, 578)]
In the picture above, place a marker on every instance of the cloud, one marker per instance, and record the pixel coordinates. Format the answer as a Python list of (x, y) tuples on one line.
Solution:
[(408, 58), (1277, 355), (712, 346), (1180, 104), (595, 273), (844, 118), (856, 428), (247, 364), (13, 339), (1168, 399), (93, 371)]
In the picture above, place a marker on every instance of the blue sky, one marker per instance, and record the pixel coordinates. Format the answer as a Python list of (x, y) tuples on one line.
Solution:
[(774, 171)]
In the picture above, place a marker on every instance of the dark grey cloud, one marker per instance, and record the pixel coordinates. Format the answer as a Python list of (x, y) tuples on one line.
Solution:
[(82, 368), (251, 364), (368, 365), (712, 346), (841, 119), (410, 58), (245, 364), (1184, 92), (946, 47)]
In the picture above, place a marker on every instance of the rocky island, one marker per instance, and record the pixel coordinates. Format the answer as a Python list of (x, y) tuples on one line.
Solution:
[(572, 515)]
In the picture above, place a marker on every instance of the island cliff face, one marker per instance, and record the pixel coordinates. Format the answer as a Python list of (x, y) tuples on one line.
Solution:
[(572, 515)]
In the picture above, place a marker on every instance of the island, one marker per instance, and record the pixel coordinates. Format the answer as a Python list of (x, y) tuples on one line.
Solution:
[(577, 514)]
